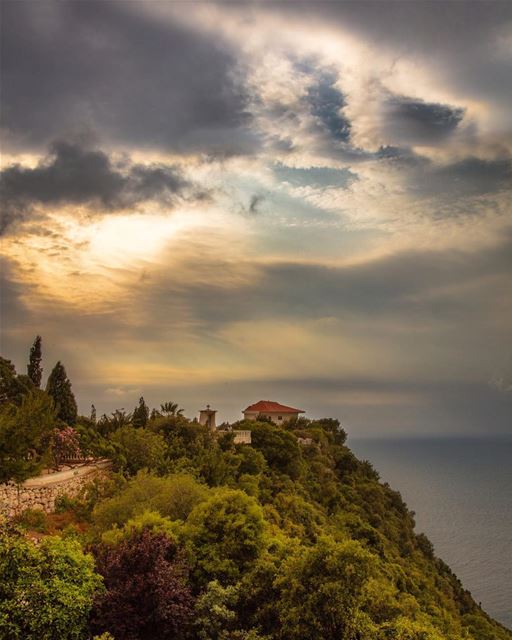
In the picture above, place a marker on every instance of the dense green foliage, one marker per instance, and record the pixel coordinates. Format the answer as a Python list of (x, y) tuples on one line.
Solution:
[(35, 424), (12, 386), (24, 435), (283, 540), (46, 590), (289, 538)]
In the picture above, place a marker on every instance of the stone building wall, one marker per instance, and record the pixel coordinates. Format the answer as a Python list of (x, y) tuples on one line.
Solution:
[(41, 492)]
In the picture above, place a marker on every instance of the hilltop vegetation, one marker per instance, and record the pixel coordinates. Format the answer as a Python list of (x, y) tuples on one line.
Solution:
[(195, 537)]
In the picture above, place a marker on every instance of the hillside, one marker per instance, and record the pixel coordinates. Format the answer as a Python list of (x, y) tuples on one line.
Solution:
[(289, 538)]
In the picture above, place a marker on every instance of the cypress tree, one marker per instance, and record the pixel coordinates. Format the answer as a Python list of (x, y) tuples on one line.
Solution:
[(59, 388), (140, 414), (34, 369)]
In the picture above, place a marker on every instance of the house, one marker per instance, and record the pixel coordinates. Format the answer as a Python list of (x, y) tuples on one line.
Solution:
[(278, 413)]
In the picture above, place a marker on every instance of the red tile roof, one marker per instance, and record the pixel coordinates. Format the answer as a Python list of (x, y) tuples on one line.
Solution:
[(267, 405)]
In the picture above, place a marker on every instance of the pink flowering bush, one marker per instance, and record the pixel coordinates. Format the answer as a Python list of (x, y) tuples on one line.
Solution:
[(65, 444)]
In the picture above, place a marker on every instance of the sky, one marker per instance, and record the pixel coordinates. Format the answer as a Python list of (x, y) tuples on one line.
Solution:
[(306, 202)]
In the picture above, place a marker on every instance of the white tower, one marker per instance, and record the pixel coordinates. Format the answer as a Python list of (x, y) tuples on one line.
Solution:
[(207, 417)]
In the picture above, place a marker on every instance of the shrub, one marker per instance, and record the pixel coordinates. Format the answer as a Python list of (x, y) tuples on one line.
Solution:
[(404, 629), (173, 496), (33, 519), (82, 505), (150, 520), (65, 503)]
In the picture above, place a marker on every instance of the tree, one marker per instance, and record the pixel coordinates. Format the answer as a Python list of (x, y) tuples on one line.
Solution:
[(279, 447), (59, 388), (322, 592), (24, 436), (170, 409), (140, 414), (147, 593), (93, 413), (108, 424), (226, 536), (215, 611), (34, 369), (12, 386), (46, 590), (405, 629), (138, 449)]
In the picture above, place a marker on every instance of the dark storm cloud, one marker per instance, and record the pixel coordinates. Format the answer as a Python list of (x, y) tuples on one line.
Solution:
[(459, 40), (100, 66), (401, 157), (428, 26), (410, 121), (326, 102), (469, 177), (74, 175)]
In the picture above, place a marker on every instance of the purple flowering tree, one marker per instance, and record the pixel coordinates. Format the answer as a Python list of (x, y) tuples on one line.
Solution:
[(147, 594)]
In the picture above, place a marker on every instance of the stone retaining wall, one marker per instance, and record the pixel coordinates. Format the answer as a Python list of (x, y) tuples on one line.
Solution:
[(41, 492)]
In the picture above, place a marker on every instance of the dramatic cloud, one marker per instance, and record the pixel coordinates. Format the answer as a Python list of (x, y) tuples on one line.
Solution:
[(340, 181), (74, 175), (471, 176), (98, 66), (413, 122)]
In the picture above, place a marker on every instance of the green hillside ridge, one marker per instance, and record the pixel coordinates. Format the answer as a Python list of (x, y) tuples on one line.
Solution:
[(196, 537)]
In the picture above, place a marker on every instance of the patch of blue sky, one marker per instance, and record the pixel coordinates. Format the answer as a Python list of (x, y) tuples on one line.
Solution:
[(292, 227), (326, 103), (314, 176)]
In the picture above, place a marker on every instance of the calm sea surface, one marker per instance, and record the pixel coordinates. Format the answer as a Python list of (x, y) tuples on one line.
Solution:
[(461, 491)]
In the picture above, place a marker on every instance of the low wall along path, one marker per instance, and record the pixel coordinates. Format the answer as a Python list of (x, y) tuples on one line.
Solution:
[(41, 492)]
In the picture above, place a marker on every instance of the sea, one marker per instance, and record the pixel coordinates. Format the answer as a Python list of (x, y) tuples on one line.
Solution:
[(461, 492)]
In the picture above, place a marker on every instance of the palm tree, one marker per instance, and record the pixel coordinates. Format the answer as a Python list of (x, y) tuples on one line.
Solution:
[(171, 409)]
